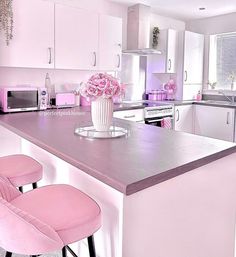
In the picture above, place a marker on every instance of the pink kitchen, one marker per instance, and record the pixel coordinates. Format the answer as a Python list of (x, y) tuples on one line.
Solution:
[(117, 128)]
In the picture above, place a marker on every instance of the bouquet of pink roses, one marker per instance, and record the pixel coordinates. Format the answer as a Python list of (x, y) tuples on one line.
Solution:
[(101, 85)]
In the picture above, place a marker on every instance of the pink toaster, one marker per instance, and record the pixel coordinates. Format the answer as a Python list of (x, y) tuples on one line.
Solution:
[(65, 100)]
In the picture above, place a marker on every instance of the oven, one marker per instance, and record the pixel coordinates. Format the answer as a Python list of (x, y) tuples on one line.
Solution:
[(160, 116)]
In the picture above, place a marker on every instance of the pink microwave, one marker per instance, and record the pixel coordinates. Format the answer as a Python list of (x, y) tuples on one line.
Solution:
[(18, 99)]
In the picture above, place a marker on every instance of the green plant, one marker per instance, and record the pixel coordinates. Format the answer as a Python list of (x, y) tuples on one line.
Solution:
[(6, 19), (155, 35)]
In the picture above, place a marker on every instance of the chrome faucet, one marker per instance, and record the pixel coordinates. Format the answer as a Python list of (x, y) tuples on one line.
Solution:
[(231, 99)]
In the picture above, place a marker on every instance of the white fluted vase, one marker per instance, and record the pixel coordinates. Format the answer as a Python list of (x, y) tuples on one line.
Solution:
[(102, 113)]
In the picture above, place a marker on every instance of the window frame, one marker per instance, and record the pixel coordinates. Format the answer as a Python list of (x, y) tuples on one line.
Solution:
[(212, 60)]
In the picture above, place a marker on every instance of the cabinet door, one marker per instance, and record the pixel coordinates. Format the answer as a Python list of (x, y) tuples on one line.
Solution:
[(215, 122), (132, 115), (76, 38), (171, 51), (184, 118), (10, 142), (166, 61), (110, 40), (193, 58), (33, 36)]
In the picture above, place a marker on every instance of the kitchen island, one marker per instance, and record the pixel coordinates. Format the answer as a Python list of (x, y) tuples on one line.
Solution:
[(162, 193)]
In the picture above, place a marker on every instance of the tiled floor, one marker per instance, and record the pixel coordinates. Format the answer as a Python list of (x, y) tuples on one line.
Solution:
[(56, 254)]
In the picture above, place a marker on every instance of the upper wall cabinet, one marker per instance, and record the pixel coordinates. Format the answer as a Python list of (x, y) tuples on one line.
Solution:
[(33, 36), (167, 44), (83, 40), (76, 38), (193, 58), (110, 40)]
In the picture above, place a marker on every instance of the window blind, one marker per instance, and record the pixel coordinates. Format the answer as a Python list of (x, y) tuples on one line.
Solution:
[(225, 59)]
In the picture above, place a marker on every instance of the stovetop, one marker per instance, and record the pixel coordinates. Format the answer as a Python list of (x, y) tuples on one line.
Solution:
[(148, 103)]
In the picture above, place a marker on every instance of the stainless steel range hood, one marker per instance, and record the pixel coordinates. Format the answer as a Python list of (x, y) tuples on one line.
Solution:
[(139, 31)]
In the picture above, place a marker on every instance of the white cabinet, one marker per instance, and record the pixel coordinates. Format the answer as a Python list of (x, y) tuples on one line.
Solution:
[(83, 40), (193, 58), (76, 38), (215, 122), (132, 115), (10, 142), (110, 42), (171, 51), (167, 44), (33, 36), (184, 118), (193, 64)]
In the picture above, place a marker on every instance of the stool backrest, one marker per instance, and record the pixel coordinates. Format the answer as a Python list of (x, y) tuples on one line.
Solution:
[(7, 190), (20, 232)]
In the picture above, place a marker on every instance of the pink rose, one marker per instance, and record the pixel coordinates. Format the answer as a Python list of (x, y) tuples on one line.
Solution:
[(92, 90), (108, 93)]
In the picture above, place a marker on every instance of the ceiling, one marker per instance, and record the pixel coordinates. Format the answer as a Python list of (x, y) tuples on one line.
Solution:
[(186, 9)]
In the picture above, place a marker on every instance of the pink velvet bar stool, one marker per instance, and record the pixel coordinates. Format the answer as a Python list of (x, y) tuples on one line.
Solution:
[(21, 170), (46, 219)]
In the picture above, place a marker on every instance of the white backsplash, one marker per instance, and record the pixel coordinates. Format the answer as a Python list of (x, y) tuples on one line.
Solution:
[(64, 80)]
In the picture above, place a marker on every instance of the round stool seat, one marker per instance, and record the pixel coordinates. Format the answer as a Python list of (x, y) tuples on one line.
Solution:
[(20, 169), (70, 212)]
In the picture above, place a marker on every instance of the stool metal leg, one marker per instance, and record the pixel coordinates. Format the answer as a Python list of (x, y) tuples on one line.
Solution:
[(8, 254), (71, 251), (34, 185), (64, 253), (91, 246)]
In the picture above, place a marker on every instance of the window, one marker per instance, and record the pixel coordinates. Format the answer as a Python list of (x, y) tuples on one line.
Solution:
[(222, 61)]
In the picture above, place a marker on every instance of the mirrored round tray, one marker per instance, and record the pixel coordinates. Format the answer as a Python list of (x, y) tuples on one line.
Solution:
[(90, 132)]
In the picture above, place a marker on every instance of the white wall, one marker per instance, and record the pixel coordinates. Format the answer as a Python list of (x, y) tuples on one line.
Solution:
[(36, 77), (208, 26), (164, 22), (213, 25)]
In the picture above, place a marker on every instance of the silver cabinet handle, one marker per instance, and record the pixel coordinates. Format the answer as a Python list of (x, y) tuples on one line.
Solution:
[(228, 117), (50, 55), (118, 65), (95, 59), (129, 116), (177, 111), (170, 64), (186, 76)]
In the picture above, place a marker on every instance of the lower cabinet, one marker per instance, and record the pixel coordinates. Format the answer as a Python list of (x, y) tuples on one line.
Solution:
[(10, 142), (184, 118), (132, 115), (215, 122)]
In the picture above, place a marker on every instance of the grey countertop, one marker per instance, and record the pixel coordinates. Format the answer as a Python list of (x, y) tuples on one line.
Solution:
[(140, 105), (225, 104), (148, 156)]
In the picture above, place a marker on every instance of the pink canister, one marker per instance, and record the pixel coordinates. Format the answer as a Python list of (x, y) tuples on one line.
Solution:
[(84, 101), (157, 95)]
